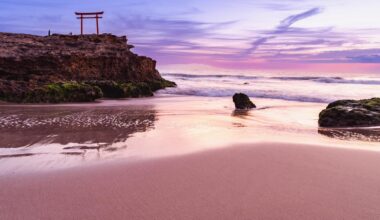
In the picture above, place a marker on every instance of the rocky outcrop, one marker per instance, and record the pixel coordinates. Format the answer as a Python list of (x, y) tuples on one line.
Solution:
[(29, 65), (351, 113), (242, 101)]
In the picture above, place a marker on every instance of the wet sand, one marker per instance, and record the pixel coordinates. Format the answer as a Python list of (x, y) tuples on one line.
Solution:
[(254, 181), (173, 157), (51, 137)]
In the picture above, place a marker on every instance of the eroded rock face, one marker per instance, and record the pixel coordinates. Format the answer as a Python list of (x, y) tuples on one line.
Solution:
[(29, 62), (351, 113), (242, 101)]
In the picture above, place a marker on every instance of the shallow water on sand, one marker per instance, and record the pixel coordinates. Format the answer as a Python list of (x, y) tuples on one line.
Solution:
[(46, 137)]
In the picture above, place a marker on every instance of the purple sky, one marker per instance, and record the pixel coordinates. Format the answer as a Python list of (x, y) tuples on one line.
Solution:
[(315, 35)]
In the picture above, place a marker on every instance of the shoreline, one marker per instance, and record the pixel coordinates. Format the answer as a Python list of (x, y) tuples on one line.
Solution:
[(69, 135), (266, 180)]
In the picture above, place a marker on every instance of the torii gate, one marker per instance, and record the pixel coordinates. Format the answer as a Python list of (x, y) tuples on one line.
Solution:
[(89, 15)]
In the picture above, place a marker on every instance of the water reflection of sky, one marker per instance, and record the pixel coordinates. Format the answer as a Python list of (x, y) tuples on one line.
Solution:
[(25, 127), (66, 134), (45, 137)]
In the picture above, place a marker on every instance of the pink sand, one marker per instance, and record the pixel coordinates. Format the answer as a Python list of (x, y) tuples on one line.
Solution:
[(262, 181)]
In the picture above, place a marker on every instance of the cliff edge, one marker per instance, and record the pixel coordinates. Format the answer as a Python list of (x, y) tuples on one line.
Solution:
[(71, 68)]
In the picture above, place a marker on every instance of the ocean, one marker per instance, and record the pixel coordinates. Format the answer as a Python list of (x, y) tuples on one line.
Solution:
[(196, 116), (319, 89)]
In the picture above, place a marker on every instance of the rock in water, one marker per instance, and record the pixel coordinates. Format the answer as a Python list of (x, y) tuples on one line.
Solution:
[(242, 101), (44, 66), (351, 113)]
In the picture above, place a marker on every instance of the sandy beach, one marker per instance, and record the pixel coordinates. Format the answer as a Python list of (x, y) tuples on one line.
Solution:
[(175, 157), (257, 181)]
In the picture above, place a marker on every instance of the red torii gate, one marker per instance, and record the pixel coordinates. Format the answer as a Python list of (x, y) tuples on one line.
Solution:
[(89, 15)]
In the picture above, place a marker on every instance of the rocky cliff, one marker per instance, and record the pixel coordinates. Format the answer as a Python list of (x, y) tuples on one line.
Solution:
[(76, 68)]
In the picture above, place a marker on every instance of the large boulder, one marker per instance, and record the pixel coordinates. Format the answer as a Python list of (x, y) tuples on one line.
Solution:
[(351, 113), (242, 101)]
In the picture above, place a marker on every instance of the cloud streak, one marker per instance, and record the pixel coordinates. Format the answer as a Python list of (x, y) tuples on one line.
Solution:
[(289, 21), (282, 28)]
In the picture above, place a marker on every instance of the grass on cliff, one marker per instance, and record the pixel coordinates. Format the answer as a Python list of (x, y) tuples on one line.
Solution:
[(63, 92), (112, 89), (86, 91)]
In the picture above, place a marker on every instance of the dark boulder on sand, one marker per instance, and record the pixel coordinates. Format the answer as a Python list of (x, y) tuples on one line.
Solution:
[(351, 113), (242, 101)]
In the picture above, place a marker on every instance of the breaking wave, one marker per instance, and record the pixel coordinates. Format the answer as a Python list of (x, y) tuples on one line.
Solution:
[(321, 89), (320, 79)]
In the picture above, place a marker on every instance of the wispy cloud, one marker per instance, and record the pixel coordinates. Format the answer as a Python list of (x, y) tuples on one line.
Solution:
[(289, 21), (282, 28)]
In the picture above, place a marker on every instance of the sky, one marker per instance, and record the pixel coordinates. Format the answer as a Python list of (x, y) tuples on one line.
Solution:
[(272, 35)]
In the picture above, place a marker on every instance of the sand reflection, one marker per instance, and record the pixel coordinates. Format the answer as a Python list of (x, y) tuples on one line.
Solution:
[(241, 113), (359, 134)]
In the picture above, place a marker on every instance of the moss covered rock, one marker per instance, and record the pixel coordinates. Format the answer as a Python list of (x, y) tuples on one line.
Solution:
[(351, 113), (161, 84), (63, 92), (85, 91), (137, 90), (112, 89)]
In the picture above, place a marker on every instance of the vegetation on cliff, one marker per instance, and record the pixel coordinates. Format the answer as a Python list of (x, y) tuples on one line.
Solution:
[(85, 91), (112, 89)]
